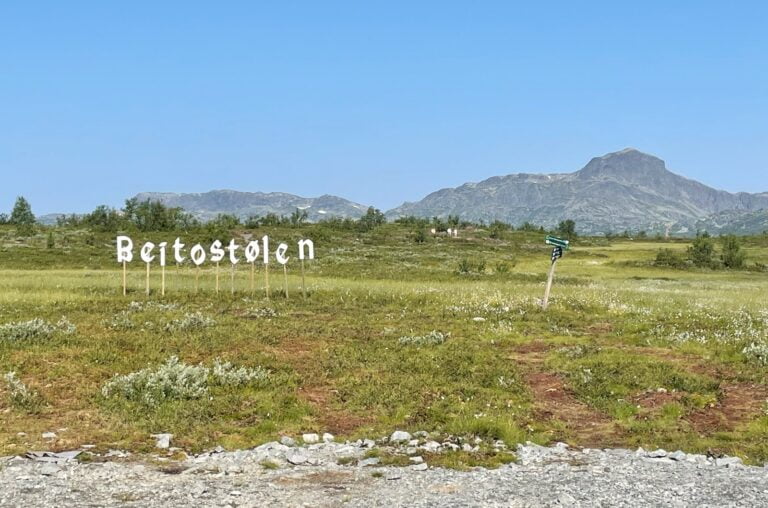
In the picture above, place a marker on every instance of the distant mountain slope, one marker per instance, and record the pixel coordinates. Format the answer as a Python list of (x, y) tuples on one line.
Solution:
[(735, 222), (208, 205), (628, 189), (49, 219)]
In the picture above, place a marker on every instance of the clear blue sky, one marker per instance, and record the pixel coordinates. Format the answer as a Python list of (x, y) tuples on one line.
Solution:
[(378, 102)]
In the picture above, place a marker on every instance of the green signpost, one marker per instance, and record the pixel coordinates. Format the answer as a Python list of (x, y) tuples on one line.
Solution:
[(557, 242), (560, 246)]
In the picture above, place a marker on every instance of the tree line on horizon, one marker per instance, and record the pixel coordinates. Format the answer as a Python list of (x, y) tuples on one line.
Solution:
[(151, 216), (154, 216)]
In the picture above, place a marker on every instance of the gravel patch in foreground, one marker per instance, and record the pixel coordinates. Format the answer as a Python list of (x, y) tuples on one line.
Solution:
[(310, 476)]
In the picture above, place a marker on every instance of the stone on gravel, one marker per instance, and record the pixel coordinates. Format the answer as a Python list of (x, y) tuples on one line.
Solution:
[(728, 462), (49, 469), (399, 436), (369, 443), (373, 461), (49, 435), (345, 451), (297, 458), (328, 438), (53, 457), (417, 459), (678, 455), (310, 438), (287, 441), (420, 467), (162, 440), (657, 454)]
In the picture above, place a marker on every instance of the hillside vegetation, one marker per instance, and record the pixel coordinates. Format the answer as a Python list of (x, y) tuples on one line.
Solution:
[(399, 330)]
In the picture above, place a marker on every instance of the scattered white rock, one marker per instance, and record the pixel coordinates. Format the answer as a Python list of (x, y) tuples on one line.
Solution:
[(287, 441), (310, 438), (678, 455), (420, 467), (728, 462), (328, 438), (418, 459), (49, 435), (297, 458), (162, 441), (400, 436)]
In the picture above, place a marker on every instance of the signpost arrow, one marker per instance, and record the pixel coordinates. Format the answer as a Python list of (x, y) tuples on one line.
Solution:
[(557, 242), (560, 245)]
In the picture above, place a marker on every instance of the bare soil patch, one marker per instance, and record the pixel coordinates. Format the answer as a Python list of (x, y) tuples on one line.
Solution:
[(739, 404), (651, 402), (554, 401)]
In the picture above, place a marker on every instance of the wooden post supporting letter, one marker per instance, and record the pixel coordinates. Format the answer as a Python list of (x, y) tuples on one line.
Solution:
[(285, 279), (266, 278)]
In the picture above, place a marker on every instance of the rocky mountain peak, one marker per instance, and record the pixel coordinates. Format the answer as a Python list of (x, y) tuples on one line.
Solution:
[(629, 164)]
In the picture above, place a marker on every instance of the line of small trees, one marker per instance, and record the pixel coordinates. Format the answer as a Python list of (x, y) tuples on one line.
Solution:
[(147, 216), (702, 253)]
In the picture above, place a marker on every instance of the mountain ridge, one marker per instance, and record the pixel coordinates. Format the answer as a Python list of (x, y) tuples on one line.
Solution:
[(623, 190), (207, 205), (628, 189)]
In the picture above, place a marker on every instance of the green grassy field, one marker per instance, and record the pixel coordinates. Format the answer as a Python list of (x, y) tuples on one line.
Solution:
[(627, 354)]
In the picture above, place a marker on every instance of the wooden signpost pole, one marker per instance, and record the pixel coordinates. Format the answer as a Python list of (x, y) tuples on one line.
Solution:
[(557, 252), (545, 303), (162, 283)]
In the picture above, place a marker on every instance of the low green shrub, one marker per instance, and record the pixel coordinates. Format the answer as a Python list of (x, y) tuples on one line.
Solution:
[(175, 380)]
